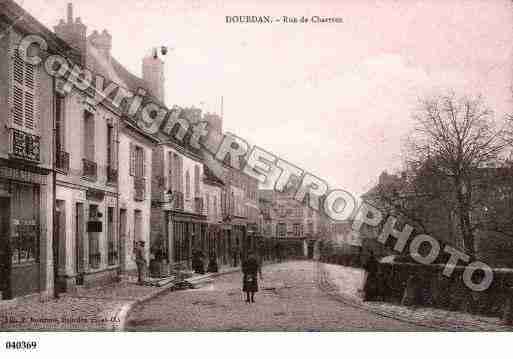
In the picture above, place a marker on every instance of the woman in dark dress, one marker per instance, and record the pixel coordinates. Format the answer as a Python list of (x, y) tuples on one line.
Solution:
[(370, 288), (250, 269)]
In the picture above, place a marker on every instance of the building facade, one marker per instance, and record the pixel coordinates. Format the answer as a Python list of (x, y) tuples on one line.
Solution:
[(103, 169), (179, 221), (27, 159), (216, 242), (294, 227)]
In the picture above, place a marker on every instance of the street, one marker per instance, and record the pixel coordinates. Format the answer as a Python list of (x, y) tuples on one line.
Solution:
[(289, 299)]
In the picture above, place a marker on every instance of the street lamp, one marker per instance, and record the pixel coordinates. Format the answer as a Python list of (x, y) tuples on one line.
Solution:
[(162, 49)]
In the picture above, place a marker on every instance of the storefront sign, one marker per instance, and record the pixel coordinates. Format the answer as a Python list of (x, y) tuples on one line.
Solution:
[(95, 195), (18, 174)]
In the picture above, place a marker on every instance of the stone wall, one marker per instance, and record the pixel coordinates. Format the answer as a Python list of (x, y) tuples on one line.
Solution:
[(429, 287)]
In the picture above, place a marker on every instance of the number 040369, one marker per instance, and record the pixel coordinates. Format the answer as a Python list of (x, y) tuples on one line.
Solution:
[(20, 345)]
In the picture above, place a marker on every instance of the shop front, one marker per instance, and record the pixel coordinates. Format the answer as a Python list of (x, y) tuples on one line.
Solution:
[(22, 240), (186, 233)]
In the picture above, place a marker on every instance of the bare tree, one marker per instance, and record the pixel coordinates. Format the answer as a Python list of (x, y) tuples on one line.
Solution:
[(454, 137)]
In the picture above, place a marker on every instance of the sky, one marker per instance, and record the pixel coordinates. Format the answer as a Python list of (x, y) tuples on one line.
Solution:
[(334, 99)]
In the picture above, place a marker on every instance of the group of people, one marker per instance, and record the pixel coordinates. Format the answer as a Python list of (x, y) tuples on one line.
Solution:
[(198, 262), (251, 268)]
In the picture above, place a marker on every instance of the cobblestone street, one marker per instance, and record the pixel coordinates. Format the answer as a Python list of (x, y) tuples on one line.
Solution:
[(289, 300)]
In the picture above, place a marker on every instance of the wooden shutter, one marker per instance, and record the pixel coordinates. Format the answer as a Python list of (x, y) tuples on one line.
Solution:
[(132, 160), (143, 164), (24, 102), (170, 171), (187, 184), (196, 180)]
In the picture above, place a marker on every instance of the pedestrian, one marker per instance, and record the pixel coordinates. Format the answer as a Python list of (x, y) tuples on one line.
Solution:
[(250, 270), (371, 282), (235, 254), (140, 261), (197, 261), (212, 264)]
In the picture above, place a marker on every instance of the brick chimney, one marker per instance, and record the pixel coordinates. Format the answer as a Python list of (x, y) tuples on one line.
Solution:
[(153, 75), (73, 32), (102, 42)]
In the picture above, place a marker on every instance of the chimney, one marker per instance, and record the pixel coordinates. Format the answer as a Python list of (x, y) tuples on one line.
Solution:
[(102, 42), (73, 32), (70, 12), (153, 75), (214, 121)]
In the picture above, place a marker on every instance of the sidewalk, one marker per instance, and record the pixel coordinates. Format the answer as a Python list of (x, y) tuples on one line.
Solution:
[(345, 283), (94, 309)]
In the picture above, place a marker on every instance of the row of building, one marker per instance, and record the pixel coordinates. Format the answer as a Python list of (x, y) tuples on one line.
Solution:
[(81, 184)]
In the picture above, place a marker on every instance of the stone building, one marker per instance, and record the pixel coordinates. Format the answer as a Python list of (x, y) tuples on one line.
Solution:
[(26, 159), (213, 189), (294, 226), (103, 169), (179, 222)]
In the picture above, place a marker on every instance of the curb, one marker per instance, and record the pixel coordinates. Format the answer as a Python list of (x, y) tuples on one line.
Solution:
[(324, 280), (330, 288), (125, 309)]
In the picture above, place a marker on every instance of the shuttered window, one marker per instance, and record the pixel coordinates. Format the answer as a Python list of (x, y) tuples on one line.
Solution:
[(137, 161), (178, 172), (25, 78), (187, 184), (89, 136), (196, 181), (172, 186)]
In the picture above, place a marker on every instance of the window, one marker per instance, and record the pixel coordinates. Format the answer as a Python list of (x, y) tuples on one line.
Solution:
[(25, 224), (59, 124), (25, 79), (215, 206), (178, 172), (281, 230), (89, 136), (296, 229), (111, 241), (137, 161), (197, 181), (170, 172), (207, 201), (110, 145), (310, 228), (187, 184)]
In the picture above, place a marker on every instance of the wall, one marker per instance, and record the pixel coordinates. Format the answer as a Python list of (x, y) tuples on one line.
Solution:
[(212, 191), (126, 197)]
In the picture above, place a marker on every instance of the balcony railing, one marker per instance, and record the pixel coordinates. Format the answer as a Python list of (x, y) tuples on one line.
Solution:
[(90, 169), (62, 161), (198, 205), (112, 174), (25, 145), (178, 200), (139, 188)]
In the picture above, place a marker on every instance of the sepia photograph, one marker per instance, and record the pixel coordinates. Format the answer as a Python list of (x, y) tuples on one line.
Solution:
[(179, 166)]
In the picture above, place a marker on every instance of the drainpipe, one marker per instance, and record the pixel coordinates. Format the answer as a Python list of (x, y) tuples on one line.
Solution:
[(55, 247), (117, 216)]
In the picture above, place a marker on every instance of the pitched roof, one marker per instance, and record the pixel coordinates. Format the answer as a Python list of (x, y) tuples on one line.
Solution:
[(20, 19), (210, 176), (114, 71)]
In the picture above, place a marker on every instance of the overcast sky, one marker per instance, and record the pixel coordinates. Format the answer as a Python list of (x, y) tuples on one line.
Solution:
[(334, 99)]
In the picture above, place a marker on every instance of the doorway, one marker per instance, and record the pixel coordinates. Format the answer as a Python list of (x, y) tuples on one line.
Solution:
[(123, 243), (79, 243), (5, 250)]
